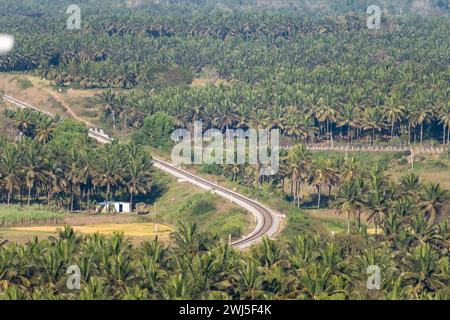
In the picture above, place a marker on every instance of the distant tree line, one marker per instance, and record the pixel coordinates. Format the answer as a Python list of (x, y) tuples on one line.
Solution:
[(323, 76)]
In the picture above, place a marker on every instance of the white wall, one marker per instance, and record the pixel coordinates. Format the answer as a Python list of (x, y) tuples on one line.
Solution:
[(125, 207)]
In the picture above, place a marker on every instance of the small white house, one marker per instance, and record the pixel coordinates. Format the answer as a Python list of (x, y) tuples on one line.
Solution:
[(115, 206)]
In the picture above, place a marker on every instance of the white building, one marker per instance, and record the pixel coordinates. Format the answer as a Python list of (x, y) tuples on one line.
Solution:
[(115, 206)]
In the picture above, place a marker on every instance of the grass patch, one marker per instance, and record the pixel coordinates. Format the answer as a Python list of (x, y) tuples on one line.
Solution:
[(24, 84), (177, 202), (15, 215), (55, 104), (91, 114), (232, 223), (331, 224), (297, 223)]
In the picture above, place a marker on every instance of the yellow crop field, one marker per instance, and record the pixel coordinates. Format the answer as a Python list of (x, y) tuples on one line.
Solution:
[(129, 229)]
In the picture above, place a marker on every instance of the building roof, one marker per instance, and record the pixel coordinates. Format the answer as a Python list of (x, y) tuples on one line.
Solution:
[(113, 202)]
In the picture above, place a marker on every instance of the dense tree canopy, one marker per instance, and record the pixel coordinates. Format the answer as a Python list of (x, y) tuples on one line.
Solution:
[(412, 262), (309, 68), (54, 162), (333, 74)]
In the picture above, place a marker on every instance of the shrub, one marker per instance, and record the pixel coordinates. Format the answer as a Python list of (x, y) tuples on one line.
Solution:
[(156, 131), (437, 164), (199, 204), (24, 84)]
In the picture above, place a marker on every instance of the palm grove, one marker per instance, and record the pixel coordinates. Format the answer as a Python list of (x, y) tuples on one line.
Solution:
[(413, 261), (316, 76), (53, 162)]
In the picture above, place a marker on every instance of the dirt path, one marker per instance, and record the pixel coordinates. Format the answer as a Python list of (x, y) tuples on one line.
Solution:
[(58, 98)]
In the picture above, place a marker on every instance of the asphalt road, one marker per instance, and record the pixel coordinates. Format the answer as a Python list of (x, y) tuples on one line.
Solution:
[(267, 222)]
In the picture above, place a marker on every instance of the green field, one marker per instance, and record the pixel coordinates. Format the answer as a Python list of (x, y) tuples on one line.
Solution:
[(16, 215), (179, 202)]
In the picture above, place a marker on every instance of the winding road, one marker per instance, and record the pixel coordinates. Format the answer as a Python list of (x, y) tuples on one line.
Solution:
[(267, 221)]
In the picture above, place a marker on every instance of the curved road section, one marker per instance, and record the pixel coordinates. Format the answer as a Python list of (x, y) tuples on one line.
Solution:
[(267, 222)]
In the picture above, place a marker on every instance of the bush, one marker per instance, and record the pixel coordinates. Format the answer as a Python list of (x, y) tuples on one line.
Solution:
[(155, 131), (437, 164), (24, 84), (68, 131), (199, 204), (398, 155), (211, 169), (177, 76)]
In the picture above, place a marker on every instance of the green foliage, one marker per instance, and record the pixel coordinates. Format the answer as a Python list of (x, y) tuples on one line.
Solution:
[(155, 131), (297, 223), (271, 67), (68, 132), (15, 215), (199, 205), (177, 202), (24, 84), (72, 171), (197, 266), (231, 223)]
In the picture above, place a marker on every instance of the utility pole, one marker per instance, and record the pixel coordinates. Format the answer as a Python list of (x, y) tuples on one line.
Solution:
[(332, 140), (156, 221)]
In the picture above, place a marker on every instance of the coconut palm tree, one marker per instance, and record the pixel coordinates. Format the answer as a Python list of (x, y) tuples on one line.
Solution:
[(188, 239), (328, 115), (108, 100), (24, 120), (137, 177), (420, 275), (378, 197), (373, 121), (444, 118), (44, 130), (110, 170), (249, 280), (298, 163), (348, 117), (73, 173), (323, 175), (349, 201), (10, 169), (432, 200), (33, 171), (393, 114), (410, 185), (424, 116)]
